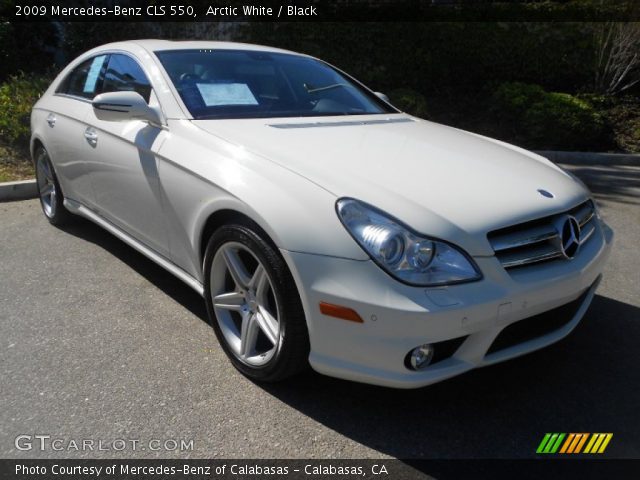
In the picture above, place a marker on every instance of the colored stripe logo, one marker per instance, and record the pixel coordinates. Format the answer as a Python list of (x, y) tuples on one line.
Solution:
[(592, 443)]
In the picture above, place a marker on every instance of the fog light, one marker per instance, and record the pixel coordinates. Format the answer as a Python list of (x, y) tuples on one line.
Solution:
[(421, 356)]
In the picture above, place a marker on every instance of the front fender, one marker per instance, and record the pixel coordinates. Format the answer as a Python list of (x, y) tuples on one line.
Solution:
[(200, 176)]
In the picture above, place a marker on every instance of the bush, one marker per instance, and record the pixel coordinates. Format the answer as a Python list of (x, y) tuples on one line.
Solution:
[(623, 114), (409, 101), (539, 119), (17, 96)]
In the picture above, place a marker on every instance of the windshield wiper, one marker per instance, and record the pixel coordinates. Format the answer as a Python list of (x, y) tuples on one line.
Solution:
[(311, 89)]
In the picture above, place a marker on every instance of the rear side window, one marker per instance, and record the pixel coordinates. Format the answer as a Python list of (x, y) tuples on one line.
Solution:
[(124, 74), (86, 79)]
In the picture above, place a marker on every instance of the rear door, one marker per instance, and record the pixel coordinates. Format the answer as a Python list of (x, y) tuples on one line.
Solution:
[(122, 160), (65, 112)]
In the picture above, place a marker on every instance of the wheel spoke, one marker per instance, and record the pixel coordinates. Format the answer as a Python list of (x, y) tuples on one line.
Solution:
[(268, 324), (261, 290), (229, 301), (248, 335), (236, 268), (47, 171), (258, 278), (46, 190)]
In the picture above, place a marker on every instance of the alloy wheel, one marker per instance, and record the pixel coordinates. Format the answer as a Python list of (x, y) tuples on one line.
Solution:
[(46, 185), (244, 304)]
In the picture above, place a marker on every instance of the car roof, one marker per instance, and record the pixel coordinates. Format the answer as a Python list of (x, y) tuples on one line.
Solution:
[(154, 45), (143, 51)]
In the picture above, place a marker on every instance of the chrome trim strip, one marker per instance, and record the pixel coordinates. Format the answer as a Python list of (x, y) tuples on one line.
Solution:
[(586, 234), (79, 209), (582, 212), (342, 123), (587, 219), (521, 239), (518, 262), (72, 97)]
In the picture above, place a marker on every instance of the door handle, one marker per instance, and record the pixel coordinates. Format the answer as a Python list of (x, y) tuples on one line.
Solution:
[(51, 120), (92, 136)]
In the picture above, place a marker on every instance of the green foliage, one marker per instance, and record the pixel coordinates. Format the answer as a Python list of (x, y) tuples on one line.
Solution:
[(17, 96), (623, 114), (547, 120), (409, 101)]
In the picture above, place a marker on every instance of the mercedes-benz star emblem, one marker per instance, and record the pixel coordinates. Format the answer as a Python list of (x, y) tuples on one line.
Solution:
[(569, 237)]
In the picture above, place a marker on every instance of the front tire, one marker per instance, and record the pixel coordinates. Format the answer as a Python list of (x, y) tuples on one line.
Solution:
[(51, 197), (254, 305)]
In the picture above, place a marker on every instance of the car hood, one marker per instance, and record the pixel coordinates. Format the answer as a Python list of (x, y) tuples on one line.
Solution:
[(439, 180)]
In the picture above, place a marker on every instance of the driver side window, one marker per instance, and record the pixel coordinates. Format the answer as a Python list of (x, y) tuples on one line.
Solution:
[(124, 74)]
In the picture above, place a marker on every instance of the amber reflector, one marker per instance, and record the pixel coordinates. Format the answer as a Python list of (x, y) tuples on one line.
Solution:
[(340, 312)]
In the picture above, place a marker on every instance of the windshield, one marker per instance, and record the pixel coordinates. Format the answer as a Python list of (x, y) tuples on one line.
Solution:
[(255, 84)]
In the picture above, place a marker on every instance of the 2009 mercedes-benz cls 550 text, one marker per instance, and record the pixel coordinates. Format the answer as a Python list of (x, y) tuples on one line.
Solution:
[(321, 225)]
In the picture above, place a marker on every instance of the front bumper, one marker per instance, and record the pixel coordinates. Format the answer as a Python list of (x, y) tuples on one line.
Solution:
[(398, 317)]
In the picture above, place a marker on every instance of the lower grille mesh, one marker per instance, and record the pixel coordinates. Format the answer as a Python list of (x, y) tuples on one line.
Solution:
[(537, 326)]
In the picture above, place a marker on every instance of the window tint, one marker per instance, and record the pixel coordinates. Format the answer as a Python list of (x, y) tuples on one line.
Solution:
[(124, 74), (86, 79)]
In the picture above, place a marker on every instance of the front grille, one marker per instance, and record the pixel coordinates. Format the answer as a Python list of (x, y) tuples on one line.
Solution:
[(537, 326), (538, 240)]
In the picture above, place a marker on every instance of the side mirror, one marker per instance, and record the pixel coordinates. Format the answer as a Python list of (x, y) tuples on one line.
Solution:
[(382, 96), (124, 106)]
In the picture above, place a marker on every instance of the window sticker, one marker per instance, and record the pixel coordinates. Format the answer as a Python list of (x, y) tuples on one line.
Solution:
[(92, 76), (216, 94)]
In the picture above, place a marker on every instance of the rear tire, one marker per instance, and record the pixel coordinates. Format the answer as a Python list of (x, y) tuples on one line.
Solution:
[(254, 305), (51, 197)]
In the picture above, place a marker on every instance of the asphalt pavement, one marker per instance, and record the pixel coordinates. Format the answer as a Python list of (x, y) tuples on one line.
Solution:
[(98, 343)]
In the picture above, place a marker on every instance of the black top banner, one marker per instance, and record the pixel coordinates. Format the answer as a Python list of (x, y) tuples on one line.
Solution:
[(317, 10)]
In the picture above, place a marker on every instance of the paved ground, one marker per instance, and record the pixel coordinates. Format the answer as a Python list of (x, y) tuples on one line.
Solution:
[(97, 342)]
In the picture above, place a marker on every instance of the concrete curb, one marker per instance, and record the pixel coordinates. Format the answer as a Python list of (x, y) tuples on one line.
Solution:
[(590, 158), (21, 190)]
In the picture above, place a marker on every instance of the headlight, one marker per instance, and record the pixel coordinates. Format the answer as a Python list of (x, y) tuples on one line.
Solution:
[(406, 255)]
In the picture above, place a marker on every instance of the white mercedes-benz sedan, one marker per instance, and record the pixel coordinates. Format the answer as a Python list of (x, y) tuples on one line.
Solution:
[(321, 225)]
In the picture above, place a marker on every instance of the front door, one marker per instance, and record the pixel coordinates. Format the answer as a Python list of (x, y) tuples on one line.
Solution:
[(122, 160)]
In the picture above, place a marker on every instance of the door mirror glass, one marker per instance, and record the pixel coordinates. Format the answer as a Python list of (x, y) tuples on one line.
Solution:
[(125, 106)]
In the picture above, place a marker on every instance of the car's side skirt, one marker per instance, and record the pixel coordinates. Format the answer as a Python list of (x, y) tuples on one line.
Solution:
[(79, 209)]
